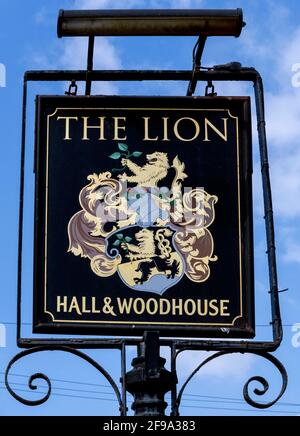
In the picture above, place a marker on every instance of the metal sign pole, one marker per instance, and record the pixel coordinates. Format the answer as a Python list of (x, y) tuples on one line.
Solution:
[(229, 72), (149, 381)]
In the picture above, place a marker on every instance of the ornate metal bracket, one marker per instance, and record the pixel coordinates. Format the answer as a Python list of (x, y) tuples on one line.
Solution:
[(247, 397), (149, 380), (229, 72), (39, 376)]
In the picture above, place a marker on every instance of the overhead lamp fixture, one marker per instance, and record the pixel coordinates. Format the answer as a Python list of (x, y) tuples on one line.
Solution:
[(149, 22)]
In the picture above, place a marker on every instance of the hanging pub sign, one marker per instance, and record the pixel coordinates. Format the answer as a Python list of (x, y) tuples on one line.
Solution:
[(144, 216)]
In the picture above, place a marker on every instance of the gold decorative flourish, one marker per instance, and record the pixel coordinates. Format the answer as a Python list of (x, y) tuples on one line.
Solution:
[(105, 209), (194, 241)]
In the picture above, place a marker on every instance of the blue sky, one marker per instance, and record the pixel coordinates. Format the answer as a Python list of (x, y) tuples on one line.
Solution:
[(270, 42)]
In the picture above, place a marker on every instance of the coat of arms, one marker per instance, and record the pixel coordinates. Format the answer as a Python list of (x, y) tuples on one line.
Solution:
[(141, 222)]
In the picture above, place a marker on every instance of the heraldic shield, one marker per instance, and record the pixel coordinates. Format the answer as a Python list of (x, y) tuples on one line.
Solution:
[(150, 235), (148, 259)]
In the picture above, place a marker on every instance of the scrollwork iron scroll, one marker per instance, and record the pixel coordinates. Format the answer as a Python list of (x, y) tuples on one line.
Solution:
[(40, 376), (246, 394)]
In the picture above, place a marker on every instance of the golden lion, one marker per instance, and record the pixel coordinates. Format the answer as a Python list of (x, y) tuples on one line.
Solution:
[(145, 249), (148, 175)]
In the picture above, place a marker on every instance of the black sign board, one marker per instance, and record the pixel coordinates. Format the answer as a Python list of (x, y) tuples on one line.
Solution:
[(144, 216)]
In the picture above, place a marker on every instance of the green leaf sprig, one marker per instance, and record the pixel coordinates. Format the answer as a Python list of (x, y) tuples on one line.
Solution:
[(121, 239), (123, 153)]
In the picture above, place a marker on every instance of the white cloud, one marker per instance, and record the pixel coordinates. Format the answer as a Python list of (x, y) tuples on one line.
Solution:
[(285, 176), (234, 367), (261, 42), (176, 4), (288, 237), (282, 120), (105, 4), (283, 114), (292, 253), (41, 16), (231, 88), (127, 4), (289, 56), (74, 54), (283, 105), (274, 55)]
